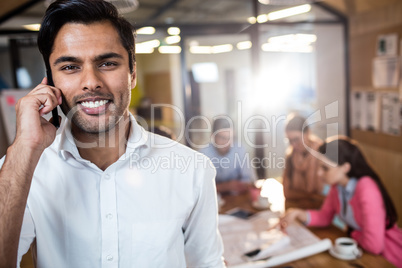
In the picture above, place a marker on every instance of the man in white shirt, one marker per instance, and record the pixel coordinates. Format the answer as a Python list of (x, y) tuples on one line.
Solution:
[(104, 192)]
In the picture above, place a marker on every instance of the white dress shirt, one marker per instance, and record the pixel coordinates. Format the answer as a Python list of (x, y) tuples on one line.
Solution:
[(154, 207)]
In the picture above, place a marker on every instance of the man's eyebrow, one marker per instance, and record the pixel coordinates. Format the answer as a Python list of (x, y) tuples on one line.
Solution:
[(65, 59), (97, 58), (108, 56)]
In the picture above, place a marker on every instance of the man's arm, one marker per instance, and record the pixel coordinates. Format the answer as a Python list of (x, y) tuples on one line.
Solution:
[(203, 243), (34, 134)]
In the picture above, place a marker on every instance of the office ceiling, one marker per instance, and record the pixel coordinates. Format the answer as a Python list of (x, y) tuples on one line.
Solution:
[(15, 13), (194, 16)]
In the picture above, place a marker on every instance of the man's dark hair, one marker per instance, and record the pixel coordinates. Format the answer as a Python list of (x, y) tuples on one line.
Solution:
[(85, 12), (222, 122)]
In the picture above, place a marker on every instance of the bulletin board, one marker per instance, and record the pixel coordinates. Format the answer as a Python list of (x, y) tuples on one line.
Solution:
[(365, 56)]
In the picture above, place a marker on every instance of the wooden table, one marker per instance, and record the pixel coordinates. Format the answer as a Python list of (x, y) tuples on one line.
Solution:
[(323, 259)]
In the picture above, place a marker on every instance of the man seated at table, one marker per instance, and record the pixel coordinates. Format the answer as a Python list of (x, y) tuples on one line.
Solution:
[(234, 173)]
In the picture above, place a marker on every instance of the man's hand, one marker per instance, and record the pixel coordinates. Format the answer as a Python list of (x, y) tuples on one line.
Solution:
[(32, 129), (34, 134)]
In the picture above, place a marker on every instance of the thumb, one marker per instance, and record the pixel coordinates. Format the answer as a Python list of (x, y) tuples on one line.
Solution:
[(44, 80)]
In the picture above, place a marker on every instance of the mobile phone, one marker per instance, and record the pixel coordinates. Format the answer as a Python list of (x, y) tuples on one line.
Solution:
[(240, 213), (55, 113)]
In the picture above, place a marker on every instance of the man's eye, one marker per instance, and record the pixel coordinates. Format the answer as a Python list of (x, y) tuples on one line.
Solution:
[(108, 64), (69, 67)]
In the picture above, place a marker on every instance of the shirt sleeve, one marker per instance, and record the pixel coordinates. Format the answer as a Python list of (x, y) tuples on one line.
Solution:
[(203, 243), (324, 216), (246, 172), (371, 236), (27, 235)]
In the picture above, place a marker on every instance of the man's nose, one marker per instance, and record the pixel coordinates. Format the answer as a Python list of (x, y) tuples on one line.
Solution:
[(91, 79)]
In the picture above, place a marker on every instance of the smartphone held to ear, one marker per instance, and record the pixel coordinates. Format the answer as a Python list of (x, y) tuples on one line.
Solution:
[(55, 114)]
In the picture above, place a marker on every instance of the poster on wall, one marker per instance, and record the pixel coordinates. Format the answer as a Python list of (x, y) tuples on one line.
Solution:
[(365, 110), (356, 108), (385, 72), (391, 113), (387, 45), (372, 111)]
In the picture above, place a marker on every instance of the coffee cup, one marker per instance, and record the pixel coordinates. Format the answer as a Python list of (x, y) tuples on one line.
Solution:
[(346, 246)]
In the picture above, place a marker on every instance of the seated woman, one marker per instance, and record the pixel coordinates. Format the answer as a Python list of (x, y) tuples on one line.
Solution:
[(300, 181), (358, 196), (233, 172)]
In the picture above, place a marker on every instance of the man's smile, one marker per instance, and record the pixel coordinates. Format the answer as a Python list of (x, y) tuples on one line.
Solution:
[(94, 106)]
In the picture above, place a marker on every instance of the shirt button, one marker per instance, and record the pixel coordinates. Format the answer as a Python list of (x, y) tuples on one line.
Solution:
[(107, 177), (109, 258), (109, 216)]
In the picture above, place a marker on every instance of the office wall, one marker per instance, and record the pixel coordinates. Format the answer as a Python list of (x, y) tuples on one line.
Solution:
[(382, 150)]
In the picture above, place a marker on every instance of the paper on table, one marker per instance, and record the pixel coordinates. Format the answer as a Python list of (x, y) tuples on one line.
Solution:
[(296, 254), (241, 236)]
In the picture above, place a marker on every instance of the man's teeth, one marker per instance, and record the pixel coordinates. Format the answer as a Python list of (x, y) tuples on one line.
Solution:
[(94, 104)]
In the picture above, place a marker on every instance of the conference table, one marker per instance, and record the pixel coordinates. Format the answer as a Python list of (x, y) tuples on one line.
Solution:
[(323, 259)]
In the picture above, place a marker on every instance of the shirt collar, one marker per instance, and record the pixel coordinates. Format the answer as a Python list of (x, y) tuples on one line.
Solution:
[(137, 137), (350, 187)]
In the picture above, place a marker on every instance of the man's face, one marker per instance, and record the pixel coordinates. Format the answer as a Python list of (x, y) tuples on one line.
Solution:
[(91, 68), (223, 140)]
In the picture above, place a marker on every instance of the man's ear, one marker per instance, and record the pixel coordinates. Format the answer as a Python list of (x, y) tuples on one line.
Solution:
[(134, 76)]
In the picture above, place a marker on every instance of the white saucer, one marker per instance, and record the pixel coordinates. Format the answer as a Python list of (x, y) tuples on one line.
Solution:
[(350, 257)]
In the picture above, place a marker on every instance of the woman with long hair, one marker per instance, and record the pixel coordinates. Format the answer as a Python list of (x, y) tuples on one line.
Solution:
[(300, 180), (358, 196)]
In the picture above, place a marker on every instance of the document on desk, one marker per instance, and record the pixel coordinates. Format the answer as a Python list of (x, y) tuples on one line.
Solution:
[(251, 243)]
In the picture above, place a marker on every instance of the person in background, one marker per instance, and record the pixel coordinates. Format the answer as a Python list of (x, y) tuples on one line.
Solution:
[(300, 180), (233, 172), (96, 195), (358, 196)]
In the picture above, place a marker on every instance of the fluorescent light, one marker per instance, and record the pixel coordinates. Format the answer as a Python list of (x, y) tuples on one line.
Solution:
[(277, 47), (289, 12), (222, 48), (173, 31), (293, 38), (172, 39), (252, 20), (201, 49), (169, 49), (262, 18), (143, 50), (244, 45), (151, 43), (146, 30), (32, 27), (147, 47), (211, 49)]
